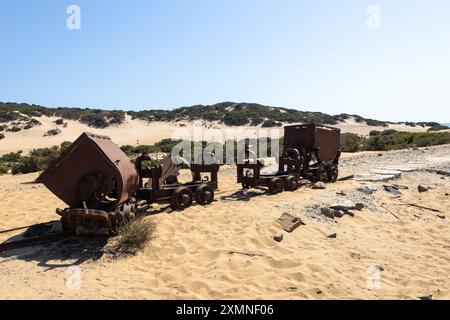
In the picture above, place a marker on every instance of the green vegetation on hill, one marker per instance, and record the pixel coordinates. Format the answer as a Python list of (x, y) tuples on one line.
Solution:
[(36, 160), (392, 140), (438, 127), (92, 117), (229, 113), (234, 114)]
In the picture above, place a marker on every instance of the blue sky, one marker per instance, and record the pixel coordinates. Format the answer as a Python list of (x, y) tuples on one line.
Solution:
[(308, 55)]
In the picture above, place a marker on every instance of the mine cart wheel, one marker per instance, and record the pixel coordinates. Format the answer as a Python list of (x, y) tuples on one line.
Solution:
[(181, 198), (333, 173), (321, 174), (204, 194), (276, 185), (245, 185), (291, 183)]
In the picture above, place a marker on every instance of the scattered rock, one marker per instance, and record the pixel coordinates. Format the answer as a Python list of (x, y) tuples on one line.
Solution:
[(350, 213), (423, 188), (344, 205), (392, 190), (339, 213), (441, 216), (359, 206), (444, 172), (278, 237), (341, 193), (289, 223), (379, 267), (332, 236), (327, 212), (446, 194), (319, 185), (367, 189), (318, 291), (380, 154), (400, 187), (426, 297)]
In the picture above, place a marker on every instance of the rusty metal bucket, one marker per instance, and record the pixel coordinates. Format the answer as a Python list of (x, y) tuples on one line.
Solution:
[(93, 173)]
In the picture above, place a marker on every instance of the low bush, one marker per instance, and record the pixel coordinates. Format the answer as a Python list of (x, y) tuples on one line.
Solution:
[(351, 142), (438, 127), (133, 236)]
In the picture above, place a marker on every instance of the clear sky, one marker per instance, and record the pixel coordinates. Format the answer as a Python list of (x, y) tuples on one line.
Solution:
[(309, 55)]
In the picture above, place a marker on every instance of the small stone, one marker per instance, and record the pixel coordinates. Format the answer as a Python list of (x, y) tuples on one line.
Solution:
[(341, 193), (359, 206), (339, 213), (441, 216), (344, 205), (327, 212), (423, 188), (392, 190), (443, 172), (319, 185), (278, 237), (379, 267), (318, 291), (332, 236), (426, 297), (380, 154), (350, 213), (446, 194), (367, 189)]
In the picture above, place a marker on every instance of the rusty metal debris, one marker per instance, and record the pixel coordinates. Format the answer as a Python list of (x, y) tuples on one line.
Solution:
[(310, 151), (103, 188)]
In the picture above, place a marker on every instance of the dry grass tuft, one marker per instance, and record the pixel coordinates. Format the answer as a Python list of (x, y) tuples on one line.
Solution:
[(133, 236)]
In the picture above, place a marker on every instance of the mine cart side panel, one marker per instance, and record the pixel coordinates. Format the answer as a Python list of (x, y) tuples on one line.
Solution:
[(126, 174), (327, 142), (89, 153), (299, 135)]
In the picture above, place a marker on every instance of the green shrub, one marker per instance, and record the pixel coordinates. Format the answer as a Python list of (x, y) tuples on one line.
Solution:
[(351, 142), (438, 127), (52, 132), (26, 165), (11, 157), (271, 123), (3, 169), (14, 129)]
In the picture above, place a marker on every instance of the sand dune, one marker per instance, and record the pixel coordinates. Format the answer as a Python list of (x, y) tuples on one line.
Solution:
[(134, 132), (226, 250)]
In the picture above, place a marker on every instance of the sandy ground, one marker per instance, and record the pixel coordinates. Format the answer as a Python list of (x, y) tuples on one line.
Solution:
[(190, 255), (135, 132)]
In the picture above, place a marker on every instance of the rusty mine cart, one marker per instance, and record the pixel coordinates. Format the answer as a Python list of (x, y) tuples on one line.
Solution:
[(102, 187), (310, 152)]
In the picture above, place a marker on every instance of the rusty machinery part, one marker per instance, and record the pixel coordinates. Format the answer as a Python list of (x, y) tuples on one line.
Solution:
[(291, 154), (75, 176), (321, 173), (332, 173), (276, 185), (182, 198), (95, 222), (93, 188), (291, 183), (204, 194)]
